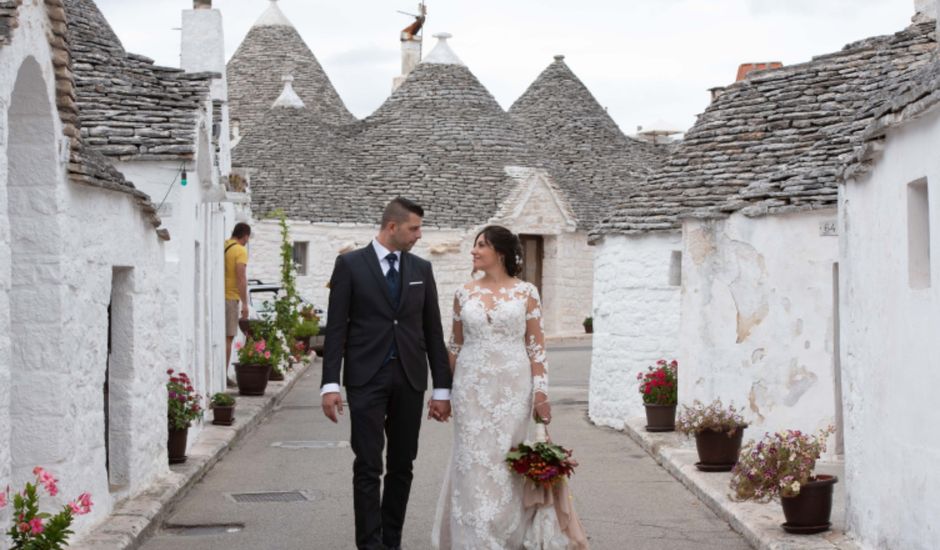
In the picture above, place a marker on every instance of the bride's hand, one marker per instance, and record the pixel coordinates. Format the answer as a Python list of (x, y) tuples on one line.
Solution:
[(543, 409)]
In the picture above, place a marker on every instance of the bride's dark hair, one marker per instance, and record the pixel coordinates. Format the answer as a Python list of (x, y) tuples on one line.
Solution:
[(506, 244)]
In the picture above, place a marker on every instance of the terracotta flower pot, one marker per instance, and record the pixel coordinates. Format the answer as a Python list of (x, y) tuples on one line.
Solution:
[(660, 418), (717, 451), (223, 416), (588, 329), (276, 375), (252, 379), (809, 511), (176, 445)]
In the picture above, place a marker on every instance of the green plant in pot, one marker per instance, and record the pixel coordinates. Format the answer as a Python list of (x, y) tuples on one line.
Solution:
[(718, 431), (255, 361), (223, 409), (305, 330), (183, 408), (588, 325), (782, 465), (659, 386), (35, 530)]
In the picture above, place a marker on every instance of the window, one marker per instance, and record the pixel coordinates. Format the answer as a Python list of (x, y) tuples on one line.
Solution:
[(300, 256), (918, 234), (675, 268)]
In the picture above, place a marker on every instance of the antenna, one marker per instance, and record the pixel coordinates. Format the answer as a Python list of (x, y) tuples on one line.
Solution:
[(414, 29)]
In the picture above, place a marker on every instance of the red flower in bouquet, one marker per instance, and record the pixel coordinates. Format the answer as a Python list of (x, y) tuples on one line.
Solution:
[(542, 463)]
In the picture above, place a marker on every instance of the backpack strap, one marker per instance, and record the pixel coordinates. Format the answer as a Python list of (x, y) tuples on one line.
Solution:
[(229, 246)]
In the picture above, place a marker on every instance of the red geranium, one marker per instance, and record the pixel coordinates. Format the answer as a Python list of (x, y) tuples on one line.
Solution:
[(660, 384)]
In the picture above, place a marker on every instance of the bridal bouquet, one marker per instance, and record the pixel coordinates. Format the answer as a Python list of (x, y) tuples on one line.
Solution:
[(543, 462)]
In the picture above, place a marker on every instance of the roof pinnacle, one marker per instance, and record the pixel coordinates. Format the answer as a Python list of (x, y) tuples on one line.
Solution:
[(273, 17), (289, 97)]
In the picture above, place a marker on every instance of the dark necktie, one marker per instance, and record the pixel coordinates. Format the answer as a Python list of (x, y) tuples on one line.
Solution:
[(394, 289), (393, 279)]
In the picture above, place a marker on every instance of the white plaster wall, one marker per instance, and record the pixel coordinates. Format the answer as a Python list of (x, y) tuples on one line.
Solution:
[(60, 402), (567, 288), (757, 318), (890, 350), (636, 320)]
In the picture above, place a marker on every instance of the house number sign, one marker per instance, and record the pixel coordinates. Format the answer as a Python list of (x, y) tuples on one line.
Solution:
[(829, 228)]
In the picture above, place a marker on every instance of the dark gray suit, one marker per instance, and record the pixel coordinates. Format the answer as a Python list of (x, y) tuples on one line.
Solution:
[(386, 397)]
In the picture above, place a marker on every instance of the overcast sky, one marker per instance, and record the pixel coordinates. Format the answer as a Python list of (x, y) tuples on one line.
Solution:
[(647, 61)]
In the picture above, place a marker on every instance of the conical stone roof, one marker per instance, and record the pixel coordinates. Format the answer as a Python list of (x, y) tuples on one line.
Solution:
[(582, 147), (440, 139), (273, 48)]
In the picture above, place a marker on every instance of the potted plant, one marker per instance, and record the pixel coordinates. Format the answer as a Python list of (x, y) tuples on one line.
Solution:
[(782, 465), (32, 529), (588, 325), (305, 331), (254, 365), (659, 386), (182, 409), (718, 431), (223, 409)]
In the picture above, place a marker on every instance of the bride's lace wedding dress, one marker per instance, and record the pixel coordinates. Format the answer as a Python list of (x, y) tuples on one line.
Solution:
[(500, 348)]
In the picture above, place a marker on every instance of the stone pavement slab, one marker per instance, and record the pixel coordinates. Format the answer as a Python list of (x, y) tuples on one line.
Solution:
[(758, 523), (134, 519)]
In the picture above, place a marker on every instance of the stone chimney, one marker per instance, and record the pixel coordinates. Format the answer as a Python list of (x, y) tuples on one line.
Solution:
[(924, 10), (410, 47), (203, 50)]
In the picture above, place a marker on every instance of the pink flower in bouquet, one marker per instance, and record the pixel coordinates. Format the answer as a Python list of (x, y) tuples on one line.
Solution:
[(238, 346), (35, 526), (3, 500)]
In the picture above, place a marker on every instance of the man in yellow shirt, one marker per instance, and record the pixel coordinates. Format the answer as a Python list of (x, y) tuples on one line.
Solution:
[(236, 286)]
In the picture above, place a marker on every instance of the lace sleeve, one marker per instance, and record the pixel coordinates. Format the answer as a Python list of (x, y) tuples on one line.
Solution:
[(535, 343), (456, 335)]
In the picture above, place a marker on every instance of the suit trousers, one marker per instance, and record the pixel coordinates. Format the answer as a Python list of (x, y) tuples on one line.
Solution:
[(387, 407)]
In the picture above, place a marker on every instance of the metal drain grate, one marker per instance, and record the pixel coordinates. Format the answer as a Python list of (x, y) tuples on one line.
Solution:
[(185, 530), (274, 496), (311, 444)]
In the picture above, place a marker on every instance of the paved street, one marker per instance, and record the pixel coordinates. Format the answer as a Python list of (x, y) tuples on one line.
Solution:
[(625, 499)]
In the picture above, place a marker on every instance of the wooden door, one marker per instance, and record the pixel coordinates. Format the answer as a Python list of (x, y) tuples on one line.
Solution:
[(533, 250)]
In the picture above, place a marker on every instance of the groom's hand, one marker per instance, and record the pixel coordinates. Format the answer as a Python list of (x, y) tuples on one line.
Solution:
[(439, 410), (332, 405)]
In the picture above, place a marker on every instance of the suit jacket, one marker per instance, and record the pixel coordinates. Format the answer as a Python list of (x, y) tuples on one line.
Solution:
[(361, 322)]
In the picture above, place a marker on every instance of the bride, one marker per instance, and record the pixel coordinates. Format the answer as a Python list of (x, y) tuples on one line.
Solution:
[(497, 353)]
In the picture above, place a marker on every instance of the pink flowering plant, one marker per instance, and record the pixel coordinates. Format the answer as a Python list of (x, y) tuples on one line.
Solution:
[(256, 352), (714, 416), (660, 384), (777, 465), (183, 403), (35, 530)]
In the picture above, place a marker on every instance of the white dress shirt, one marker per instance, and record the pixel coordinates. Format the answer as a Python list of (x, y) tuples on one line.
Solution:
[(438, 394)]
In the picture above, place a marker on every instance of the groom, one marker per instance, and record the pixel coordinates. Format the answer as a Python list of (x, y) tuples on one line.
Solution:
[(384, 326)]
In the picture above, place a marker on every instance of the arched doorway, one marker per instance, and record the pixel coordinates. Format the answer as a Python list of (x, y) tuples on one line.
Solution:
[(38, 369)]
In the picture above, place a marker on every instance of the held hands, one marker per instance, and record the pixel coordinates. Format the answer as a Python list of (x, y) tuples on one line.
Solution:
[(332, 405), (543, 409), (439, 410)]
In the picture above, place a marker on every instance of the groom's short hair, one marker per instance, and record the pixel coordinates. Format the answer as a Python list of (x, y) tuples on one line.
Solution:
[(398, 209)]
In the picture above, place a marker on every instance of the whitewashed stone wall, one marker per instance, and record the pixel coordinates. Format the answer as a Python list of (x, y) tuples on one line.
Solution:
[(757, 318), (890, 350), (636, 320), (66, 252), (566, 295)]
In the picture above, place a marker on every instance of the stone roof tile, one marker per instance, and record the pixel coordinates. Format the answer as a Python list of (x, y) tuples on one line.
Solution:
[(270, 51), (775, 141), (441, 139), (584, 150), (129, 107)]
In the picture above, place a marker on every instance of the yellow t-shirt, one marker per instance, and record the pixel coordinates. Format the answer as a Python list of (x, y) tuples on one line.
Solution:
[(236, 254)]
